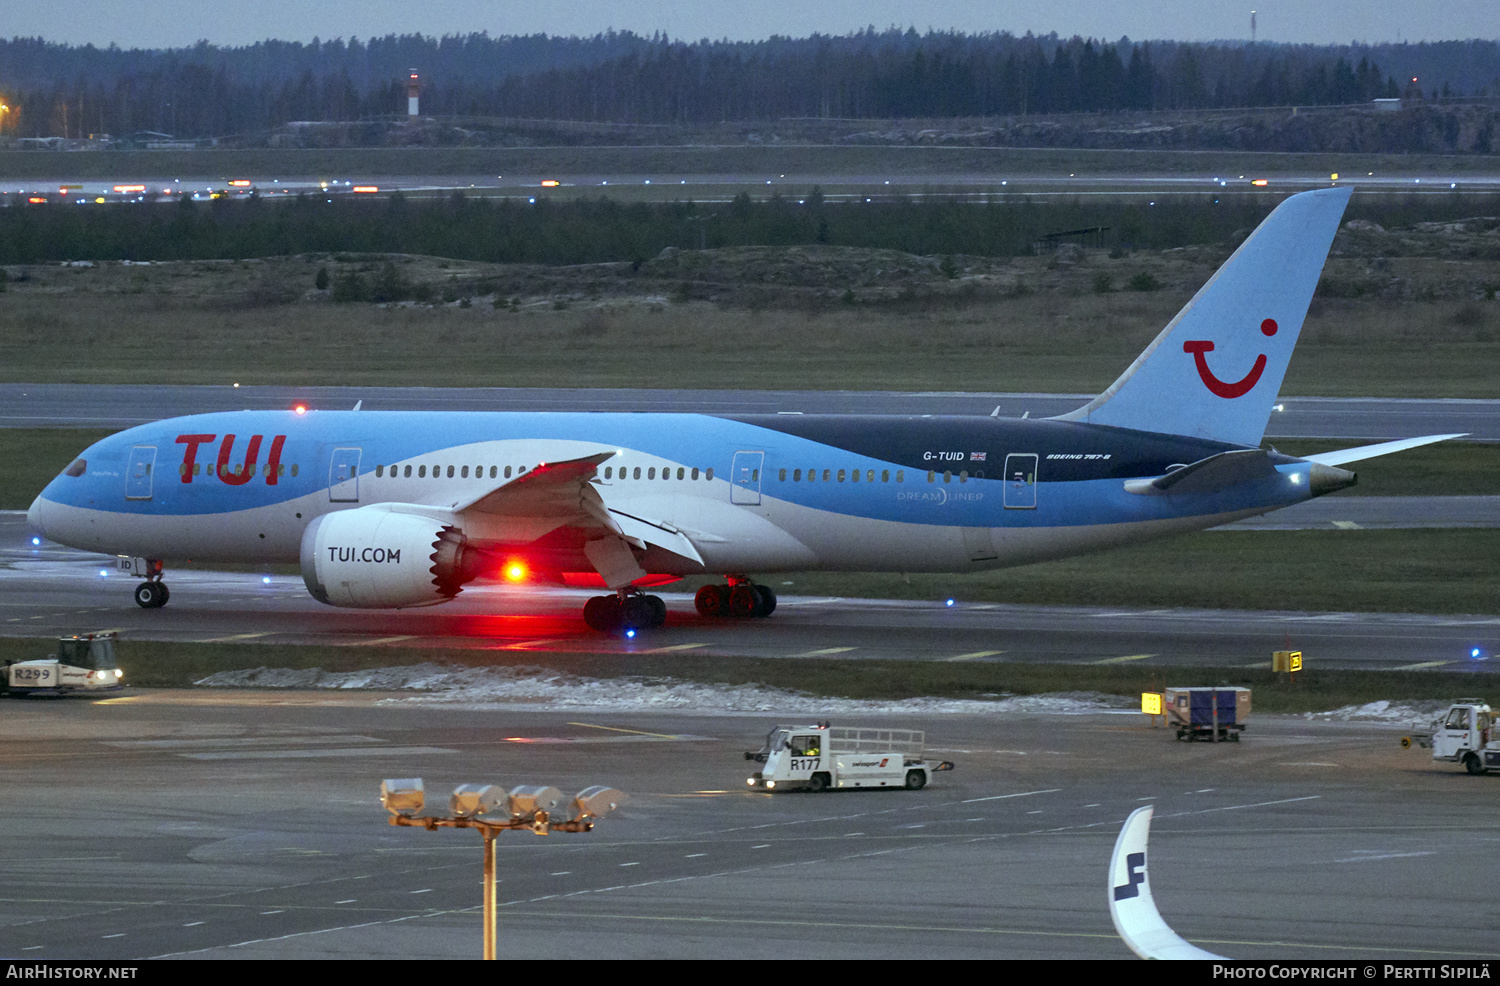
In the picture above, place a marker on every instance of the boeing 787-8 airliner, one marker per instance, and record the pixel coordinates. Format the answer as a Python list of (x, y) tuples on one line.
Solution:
[(398, 509)]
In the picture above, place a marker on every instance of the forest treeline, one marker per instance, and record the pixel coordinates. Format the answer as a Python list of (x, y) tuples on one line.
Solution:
[(601, 230), (206, 90)]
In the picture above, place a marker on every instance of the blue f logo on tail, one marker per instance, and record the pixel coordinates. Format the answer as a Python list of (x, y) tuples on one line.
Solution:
[(1135, 868)]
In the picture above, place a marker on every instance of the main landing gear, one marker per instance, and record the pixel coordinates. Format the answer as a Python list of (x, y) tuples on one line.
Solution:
[(624, 611), (740, 597), (152, 593)]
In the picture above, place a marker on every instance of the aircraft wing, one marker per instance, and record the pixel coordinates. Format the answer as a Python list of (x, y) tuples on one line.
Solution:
[(549, 490), (562, 494), (1341, 456)]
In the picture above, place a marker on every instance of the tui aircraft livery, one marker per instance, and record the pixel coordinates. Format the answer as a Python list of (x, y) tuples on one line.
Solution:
[(399, 509)]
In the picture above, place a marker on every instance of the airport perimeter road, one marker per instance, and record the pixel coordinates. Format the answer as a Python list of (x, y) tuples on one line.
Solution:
[(50, 591), (247, 825), (119, 406)]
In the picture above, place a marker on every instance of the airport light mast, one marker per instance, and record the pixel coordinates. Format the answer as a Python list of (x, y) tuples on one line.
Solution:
[(525, 807)]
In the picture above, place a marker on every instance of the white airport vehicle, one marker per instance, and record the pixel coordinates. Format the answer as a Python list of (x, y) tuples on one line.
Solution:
[(816, 758), (1464, 734), (83, 663)]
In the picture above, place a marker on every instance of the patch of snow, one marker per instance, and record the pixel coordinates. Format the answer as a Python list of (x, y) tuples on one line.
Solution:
[(540, 689), (1383, 711)]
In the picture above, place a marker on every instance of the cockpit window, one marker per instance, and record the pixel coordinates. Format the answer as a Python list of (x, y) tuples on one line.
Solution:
[(77, 468)]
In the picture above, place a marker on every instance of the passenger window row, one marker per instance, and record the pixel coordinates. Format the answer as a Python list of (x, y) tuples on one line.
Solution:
[(236, 470), (852, 475), (460, 472), (495, 472), (626, 472)]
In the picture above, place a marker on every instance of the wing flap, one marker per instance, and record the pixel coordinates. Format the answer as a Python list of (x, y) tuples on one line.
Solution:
[(655, 532)]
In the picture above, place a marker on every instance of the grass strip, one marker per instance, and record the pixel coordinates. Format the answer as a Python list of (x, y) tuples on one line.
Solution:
[(178, 665), (1403, 571)]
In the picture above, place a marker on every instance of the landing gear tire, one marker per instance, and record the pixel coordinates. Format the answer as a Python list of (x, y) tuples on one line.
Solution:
[(151, 595), (638, 612), (712, 600), (740, 599), (744, 600), (602, 613), (658, 610)]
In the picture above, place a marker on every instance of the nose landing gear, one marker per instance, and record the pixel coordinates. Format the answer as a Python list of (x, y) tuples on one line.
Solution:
[(152, 593)]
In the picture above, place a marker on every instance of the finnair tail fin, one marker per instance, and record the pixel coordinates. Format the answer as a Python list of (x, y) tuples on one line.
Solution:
[(1131, 906), (1216, 369)]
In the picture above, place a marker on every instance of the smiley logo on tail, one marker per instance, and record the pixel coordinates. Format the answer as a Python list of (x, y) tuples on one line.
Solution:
[(1237, 388)]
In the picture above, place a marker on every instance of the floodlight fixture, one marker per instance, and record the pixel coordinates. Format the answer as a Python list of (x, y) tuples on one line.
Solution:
[(597, 801), (402, 796), (472, 800), (528, 799)]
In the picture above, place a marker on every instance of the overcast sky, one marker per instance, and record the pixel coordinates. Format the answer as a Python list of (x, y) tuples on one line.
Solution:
[(174, 23)]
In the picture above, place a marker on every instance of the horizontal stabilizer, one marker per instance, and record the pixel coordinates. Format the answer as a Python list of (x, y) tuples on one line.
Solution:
[(1208, 475), (1131, 906), (1342, 456)]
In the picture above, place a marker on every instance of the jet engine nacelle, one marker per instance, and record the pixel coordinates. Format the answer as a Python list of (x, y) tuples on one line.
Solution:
[(384, 557)]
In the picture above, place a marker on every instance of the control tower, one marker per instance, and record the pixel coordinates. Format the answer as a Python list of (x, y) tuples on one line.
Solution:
[(413, 91)]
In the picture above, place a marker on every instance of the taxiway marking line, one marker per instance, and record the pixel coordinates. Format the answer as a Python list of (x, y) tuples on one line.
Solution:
[(529, 644), (976, 655), (1424, 664), (826, 650), (237, 636), (1122, 660), (617, 729), (1346, 525), (377, 640), (353, 751), (664, 650), (1002, 797)]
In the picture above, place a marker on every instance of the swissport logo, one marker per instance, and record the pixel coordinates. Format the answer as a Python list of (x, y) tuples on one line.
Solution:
[(1223, 388)]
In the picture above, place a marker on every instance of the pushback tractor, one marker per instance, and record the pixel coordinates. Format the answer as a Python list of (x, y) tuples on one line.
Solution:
[(821, 757), (83, 664), (1464, 734)]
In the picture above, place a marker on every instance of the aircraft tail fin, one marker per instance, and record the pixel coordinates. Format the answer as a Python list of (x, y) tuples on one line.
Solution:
[(1216, 369), (1131, 906)]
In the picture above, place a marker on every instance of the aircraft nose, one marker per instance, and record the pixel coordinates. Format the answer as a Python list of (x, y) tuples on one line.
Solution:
[(36, 516)]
